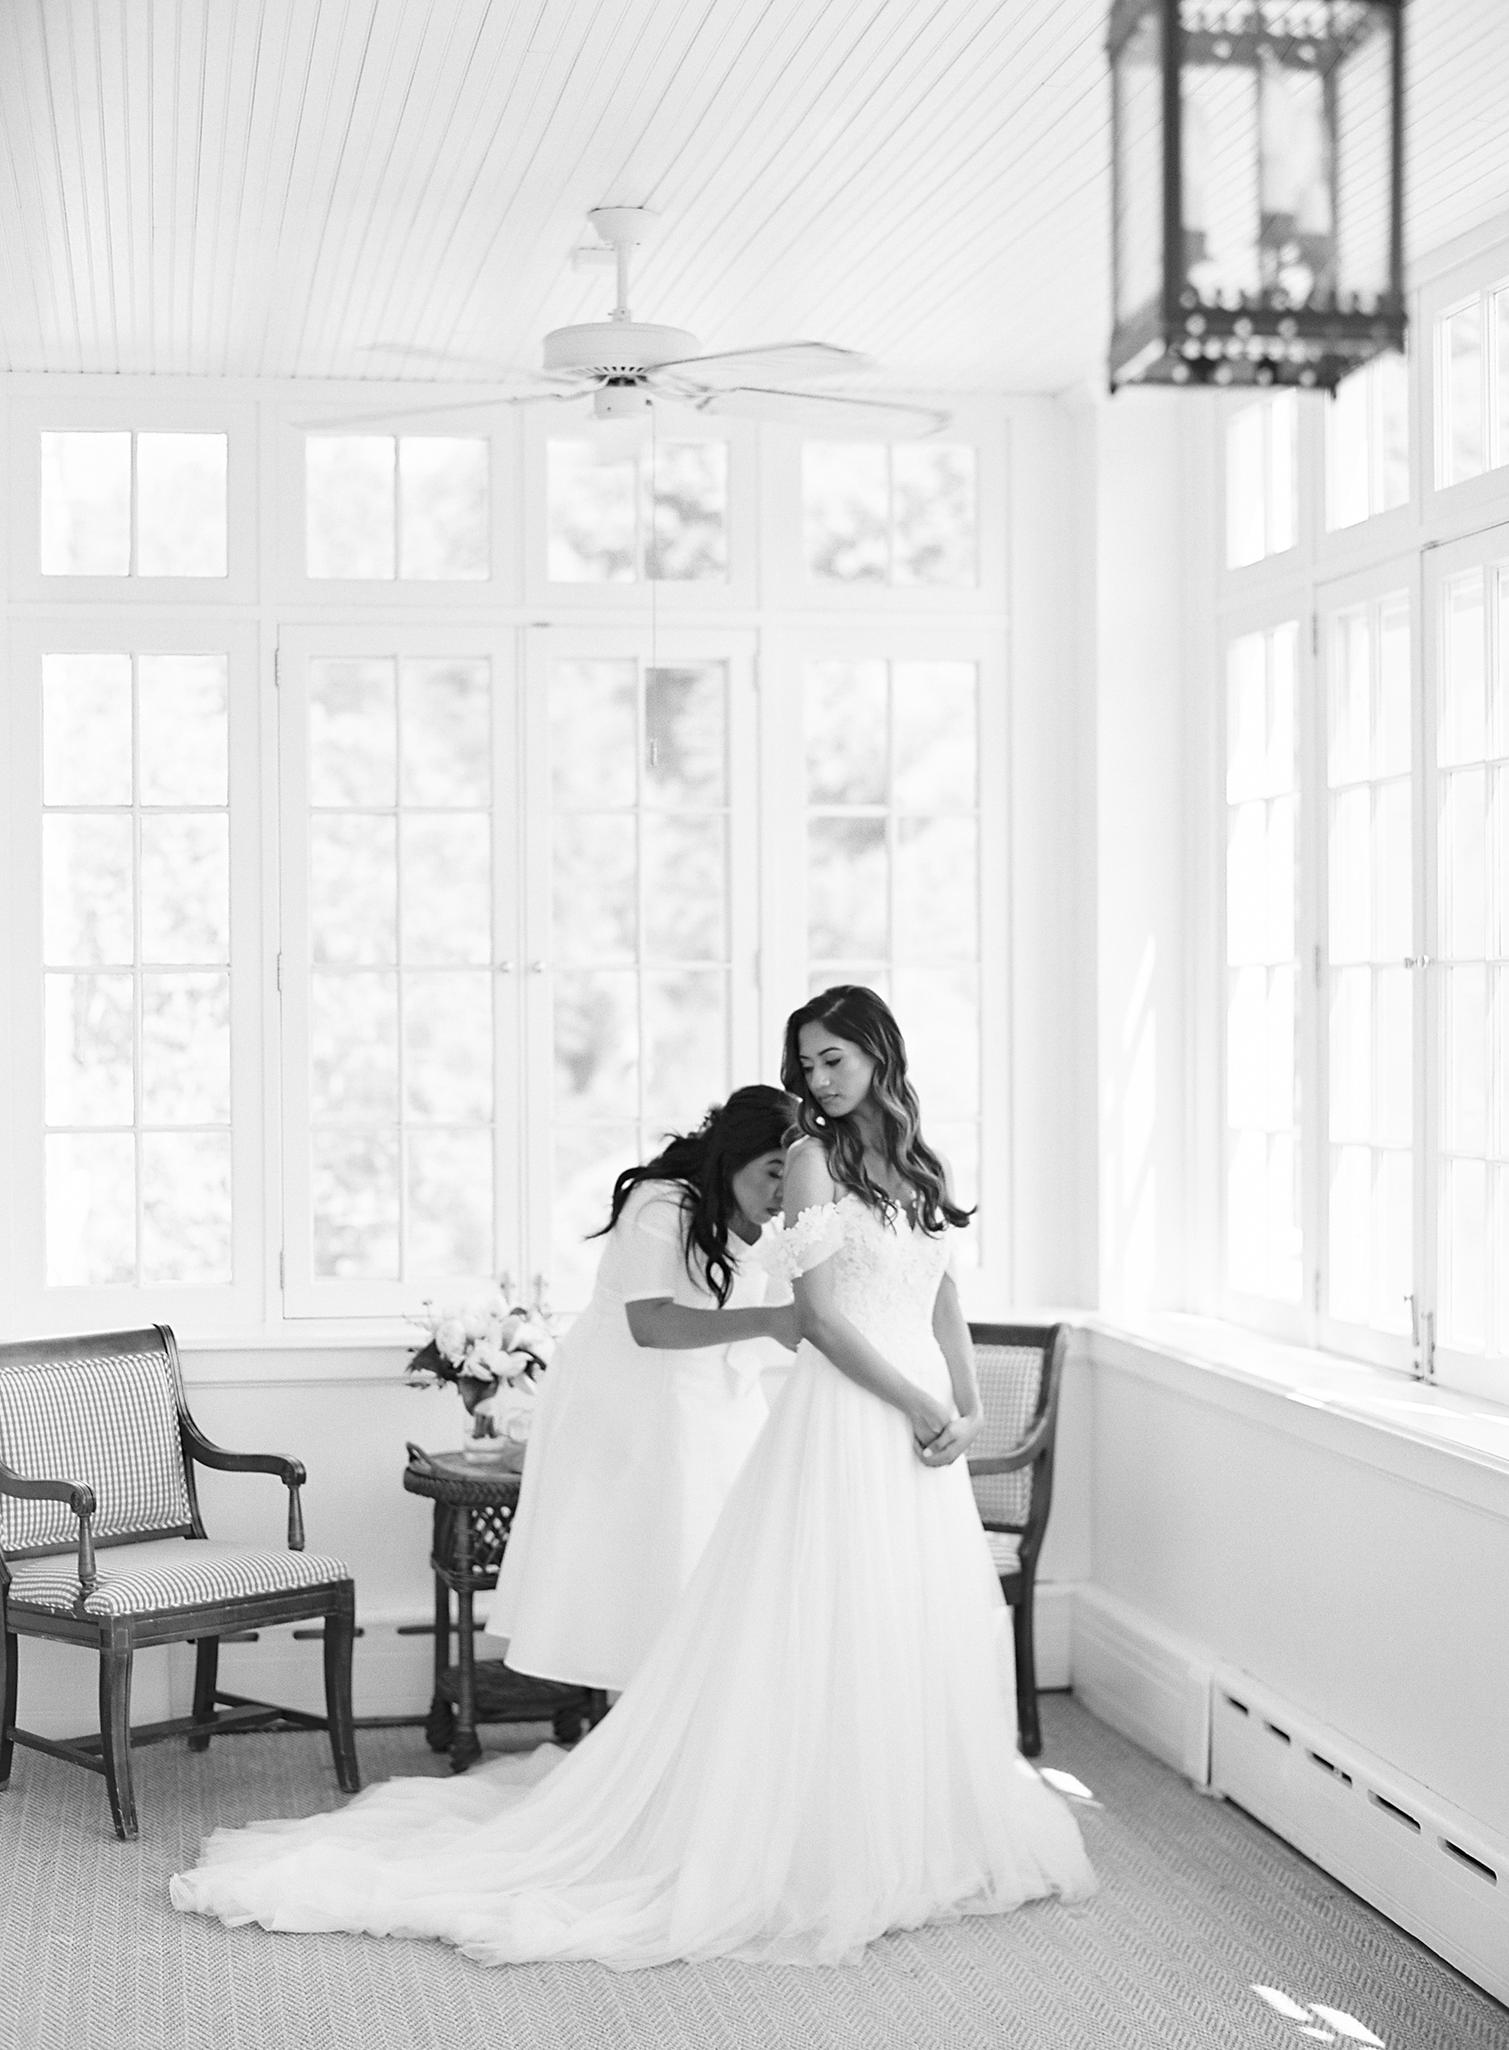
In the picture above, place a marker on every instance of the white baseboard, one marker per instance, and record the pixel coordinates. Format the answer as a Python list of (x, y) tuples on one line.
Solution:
[(1136, 1676), (1427, 1865)]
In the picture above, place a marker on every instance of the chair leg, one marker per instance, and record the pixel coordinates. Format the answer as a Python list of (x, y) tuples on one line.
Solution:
[(1029, 1732), (206, 1675), (115, 1731), (340, 1636), (7, 1703)]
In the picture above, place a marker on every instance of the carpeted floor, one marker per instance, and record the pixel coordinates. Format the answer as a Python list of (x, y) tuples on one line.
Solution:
[(1198, 1904)]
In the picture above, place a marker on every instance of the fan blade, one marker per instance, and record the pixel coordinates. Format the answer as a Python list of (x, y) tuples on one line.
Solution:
[(338, 423), (825, 409), (727, 367)]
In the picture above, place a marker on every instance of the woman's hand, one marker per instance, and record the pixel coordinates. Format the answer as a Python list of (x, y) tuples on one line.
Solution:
[(957, 1435), (781, 1325), (929, 1419)]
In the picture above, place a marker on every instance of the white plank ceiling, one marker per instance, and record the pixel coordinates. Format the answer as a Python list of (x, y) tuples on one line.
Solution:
[(392, 188)]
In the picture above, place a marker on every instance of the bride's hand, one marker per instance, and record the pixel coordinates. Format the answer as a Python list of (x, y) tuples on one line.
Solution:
[(957, 1436), (930, 1420)]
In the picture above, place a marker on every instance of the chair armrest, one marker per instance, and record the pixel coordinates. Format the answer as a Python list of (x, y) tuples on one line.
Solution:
[(290, 1471), (79, 1497), (1020, 1455)]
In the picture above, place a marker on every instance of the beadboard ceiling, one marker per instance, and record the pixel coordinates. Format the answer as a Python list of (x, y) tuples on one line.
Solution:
[(392, 188)]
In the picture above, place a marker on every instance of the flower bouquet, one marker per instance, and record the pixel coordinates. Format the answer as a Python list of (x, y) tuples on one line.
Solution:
[(494, 1354)]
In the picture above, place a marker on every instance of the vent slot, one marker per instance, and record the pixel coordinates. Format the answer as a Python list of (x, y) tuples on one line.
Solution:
[(1274, 1731), (1335, 1771), (1466, 1858), (1389, 1808), (1240, 1706)]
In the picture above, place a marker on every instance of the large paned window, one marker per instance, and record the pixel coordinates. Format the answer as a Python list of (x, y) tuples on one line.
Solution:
[(484, 835), (1397, 864)]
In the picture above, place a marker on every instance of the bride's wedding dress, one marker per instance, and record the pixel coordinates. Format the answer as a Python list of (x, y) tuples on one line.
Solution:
[(820, 1746)]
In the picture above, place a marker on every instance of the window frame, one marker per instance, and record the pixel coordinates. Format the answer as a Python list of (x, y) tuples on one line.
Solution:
[(237, 1305), (69, 413)]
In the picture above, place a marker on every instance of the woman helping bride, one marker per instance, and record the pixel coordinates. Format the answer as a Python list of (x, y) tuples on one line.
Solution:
[(820, 1745)]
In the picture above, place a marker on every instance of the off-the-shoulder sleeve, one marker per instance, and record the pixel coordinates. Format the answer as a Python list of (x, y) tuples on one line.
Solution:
[(791, 1249)]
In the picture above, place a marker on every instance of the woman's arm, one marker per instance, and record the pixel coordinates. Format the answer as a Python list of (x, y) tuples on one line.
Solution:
[(822, 1323), (675, 1327), (952, 1334)]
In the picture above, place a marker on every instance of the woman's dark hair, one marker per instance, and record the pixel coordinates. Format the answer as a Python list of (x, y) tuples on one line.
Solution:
[(856, 1014), (754, 1121)]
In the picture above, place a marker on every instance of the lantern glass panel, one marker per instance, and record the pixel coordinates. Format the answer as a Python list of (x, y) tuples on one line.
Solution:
[(1361, 88), (1138, 85), (1219, 104)]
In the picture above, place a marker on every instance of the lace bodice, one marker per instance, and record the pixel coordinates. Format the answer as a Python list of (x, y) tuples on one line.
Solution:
[(887, 1274)]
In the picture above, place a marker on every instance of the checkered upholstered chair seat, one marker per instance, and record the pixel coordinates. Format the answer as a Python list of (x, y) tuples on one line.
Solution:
[(102, 1545), (1011, 1469), (166, 1573)]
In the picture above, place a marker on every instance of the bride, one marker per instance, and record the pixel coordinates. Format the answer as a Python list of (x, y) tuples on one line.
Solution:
[(821, 1744)]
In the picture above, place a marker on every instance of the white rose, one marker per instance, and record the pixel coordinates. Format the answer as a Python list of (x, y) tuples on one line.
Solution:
[(531, 1336), (450, 1339)]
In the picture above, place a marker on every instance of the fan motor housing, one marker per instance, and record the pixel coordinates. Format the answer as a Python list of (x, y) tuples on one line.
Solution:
[(617, 348)]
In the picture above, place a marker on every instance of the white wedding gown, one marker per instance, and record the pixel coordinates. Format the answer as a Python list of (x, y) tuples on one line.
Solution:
[(820, 1746)]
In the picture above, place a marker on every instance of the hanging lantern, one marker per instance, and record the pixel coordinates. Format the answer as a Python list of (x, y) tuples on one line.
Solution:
[(1257, 183)]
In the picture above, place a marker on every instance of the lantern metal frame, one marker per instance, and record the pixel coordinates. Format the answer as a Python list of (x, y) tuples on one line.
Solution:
[(1180, 336)]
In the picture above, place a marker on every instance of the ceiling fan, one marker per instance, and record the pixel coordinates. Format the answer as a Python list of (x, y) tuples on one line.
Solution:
[(626, 365)]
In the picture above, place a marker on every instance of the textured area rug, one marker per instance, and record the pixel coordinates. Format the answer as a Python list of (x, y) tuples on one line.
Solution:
[(1198, 1905)]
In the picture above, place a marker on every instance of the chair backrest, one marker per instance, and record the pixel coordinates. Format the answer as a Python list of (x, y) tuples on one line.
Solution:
[(104, 1410), (1020, 1368)]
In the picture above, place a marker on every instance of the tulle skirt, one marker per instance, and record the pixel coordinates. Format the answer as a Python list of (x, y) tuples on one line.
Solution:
[(820, 1747)]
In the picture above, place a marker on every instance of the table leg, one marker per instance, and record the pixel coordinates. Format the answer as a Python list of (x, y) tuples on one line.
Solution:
[(441, 1719), (465, 1750)]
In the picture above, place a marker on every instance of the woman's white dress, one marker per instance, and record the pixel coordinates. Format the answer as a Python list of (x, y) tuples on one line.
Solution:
[(631, 1458), (820, 1746)]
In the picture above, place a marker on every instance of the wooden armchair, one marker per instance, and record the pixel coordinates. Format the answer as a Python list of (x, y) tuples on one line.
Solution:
[(1020, 1368), (101, 1544)]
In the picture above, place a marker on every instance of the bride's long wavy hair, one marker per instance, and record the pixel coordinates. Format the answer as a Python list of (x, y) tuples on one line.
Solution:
[(702, 1164), (856, 1014)]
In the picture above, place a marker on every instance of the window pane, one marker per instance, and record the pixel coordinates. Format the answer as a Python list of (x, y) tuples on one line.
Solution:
[(685, 888), (353, 1048), (185, 887), (180, 505), (448, 1048), (353, 889), (1464, 1046), (89, 1037), (585, 1161), (1347, 452), (593, 733), (933, 491), (685, 744), (354, 1200), (939, 1009), (352, 733), (186, 1207), (596, 1043), (846, 511), (447, 888), (1245, 509), (184, 735), (844, 713), (1463, 440), (186, 1049), (593, 528), (595, 895), (87, 889), (687, 483), (1461, 1253), (86, 729), (446, 733), (847, 888), (937, 908), (1463, 866), (448, 1217), (349, 504), (936, 741), (91, 1209), (686, 1047), (443, 507), (1460, 721), (86, 505)]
